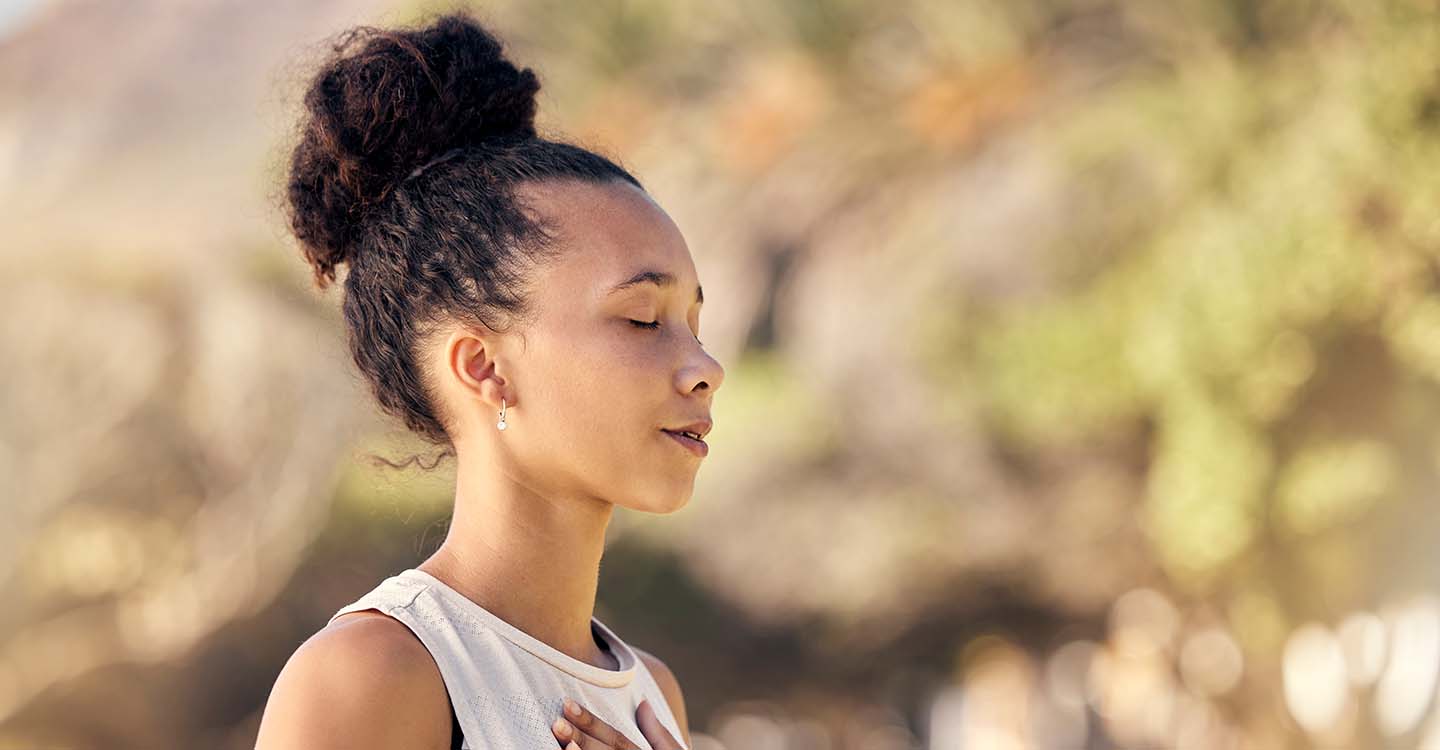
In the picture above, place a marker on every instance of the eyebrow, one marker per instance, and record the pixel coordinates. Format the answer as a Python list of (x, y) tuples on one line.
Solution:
[(658, 278)]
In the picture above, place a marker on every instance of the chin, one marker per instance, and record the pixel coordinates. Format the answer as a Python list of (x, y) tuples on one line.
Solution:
[(672, 507), (663, 504)]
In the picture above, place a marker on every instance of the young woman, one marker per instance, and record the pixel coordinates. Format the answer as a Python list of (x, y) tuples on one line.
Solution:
[(524, 303)]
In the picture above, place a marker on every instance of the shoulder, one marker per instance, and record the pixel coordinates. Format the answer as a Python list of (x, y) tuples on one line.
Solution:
[(360, 682), (669, 686)]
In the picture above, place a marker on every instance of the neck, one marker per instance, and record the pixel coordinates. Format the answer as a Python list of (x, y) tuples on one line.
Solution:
[(532, 559)]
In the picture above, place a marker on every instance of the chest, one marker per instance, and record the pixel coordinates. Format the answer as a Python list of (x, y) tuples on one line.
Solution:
[(505, 719)]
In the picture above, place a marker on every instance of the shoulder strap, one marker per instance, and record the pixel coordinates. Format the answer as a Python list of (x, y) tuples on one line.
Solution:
[(395, 593)]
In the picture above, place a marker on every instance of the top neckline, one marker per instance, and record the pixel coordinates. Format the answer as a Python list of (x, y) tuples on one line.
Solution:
[(551, 655)]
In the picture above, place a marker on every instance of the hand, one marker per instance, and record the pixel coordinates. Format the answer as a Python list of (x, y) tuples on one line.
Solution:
[(581, 730)]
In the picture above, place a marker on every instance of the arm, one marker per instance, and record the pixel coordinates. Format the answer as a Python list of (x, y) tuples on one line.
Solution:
[(368, 684), (670, 687)]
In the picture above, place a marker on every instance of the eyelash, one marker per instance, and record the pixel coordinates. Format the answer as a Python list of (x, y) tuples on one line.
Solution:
[(656, 324)]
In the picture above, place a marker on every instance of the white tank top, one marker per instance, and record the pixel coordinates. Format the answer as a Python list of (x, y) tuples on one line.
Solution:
[(506, 686)]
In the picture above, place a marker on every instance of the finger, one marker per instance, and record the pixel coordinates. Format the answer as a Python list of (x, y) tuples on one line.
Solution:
[(591, 732), (571, 737), (658, 736)]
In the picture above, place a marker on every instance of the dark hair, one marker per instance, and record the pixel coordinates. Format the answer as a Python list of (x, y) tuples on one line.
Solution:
[(412, 143)]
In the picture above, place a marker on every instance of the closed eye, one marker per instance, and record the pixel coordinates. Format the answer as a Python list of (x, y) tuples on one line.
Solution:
[(656, 324)]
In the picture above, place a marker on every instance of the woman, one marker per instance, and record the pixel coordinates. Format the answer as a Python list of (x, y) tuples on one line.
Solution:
[(523, 302)]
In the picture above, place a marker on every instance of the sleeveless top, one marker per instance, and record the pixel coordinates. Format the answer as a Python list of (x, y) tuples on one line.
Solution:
[(507, 687)]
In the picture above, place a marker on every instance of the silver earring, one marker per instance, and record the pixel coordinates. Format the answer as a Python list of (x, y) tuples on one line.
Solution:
[(501, 423)]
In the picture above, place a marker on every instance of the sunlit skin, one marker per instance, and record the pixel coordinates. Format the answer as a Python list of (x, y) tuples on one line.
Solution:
[(586, 393)]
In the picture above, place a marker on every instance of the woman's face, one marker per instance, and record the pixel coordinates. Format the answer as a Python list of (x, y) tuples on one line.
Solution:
[(589, 390)]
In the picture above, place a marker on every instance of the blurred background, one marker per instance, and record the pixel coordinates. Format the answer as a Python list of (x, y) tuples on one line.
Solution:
[(1083, 368)]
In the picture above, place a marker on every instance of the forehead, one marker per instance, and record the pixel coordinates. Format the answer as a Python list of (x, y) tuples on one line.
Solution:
[(608, 232)]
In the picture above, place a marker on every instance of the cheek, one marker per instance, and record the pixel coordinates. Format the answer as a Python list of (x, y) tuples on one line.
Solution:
[(598, 393), (603, 405)]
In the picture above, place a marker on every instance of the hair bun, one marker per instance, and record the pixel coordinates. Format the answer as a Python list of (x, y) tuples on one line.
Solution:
[(386, 102)]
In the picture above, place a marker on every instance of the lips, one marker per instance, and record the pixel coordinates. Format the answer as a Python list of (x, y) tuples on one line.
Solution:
[(695, 445), (697, 429)]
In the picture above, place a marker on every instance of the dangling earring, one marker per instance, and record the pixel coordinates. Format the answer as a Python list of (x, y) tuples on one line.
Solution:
[(501, 423)]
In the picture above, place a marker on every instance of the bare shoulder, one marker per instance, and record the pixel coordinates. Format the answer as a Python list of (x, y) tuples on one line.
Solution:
[(669, 686), (364, 682)]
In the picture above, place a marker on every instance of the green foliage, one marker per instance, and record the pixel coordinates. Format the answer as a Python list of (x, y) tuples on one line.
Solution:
[(1292, 207)]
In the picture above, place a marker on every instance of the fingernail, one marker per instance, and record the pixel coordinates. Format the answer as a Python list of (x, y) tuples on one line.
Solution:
[(562, 727), (572, 708), (572, 746)]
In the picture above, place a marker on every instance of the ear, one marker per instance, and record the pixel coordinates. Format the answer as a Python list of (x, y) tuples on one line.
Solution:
[(471, 362)]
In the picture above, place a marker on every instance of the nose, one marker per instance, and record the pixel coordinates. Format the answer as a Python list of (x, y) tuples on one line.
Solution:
[(704, 373)]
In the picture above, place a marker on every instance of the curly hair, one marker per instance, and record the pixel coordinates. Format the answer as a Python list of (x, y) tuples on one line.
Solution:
[(412, 143)]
